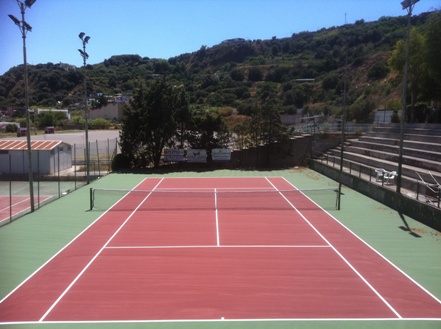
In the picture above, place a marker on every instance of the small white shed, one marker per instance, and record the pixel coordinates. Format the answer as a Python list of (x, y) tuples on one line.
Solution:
[(48, 157)]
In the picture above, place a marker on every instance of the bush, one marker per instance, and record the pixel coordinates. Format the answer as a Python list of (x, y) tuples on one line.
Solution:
[(99, 123), (395, 117), (255, 74), (120, 161), (377, 71), (10, 128), (330, 81)]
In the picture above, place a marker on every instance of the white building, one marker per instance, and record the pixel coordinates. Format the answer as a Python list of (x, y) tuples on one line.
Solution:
[(48, 157), (112, 111)]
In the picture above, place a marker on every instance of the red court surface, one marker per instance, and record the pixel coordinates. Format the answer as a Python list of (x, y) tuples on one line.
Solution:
[(15, 205), (217, 257)]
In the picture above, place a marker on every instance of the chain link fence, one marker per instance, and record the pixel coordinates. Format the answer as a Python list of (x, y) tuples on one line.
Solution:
[(15, 188)]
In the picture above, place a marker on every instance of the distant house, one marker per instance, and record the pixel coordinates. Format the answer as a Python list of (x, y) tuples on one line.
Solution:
[(48, 157), (3, 125), (385, 116), (234, 41), (38, 111), (112, 111), (66, 67)]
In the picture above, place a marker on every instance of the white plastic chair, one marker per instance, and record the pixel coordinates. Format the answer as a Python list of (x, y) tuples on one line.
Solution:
[(433, 191), (389, 177), (380, 174), (436, 182)]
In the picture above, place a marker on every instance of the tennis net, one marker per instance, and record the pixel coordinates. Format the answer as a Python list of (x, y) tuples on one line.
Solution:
[(206, 199)]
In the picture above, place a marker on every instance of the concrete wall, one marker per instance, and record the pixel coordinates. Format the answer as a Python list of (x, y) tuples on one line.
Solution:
[(293, 153), (112, 111)]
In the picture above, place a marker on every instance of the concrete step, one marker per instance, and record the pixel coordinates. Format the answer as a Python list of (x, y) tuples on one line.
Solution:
[(436, 147), (376, 150), (367, 156), (414, 129), (380, 149), (407, 137)]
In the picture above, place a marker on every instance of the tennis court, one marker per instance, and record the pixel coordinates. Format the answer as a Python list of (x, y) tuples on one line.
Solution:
[(222, 250), (15, 196), (14, 205)]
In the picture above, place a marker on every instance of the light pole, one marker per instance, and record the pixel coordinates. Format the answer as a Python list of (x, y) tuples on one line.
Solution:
[(343, 127), (408, 5), (24, 28), (85, 40)]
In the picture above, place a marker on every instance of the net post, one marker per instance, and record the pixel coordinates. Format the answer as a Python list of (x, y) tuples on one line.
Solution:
[(91, 198)]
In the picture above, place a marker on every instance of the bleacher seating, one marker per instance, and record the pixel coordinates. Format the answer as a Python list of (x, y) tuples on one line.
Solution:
[(377, 152)]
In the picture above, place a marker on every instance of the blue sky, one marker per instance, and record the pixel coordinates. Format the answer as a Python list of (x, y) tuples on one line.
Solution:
[(167, 28)]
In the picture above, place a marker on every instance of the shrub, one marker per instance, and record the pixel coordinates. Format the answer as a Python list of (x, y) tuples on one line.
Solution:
[(120, 161), (378, 70), (330, 81), (395, 117), (10, 128), (99, 123)]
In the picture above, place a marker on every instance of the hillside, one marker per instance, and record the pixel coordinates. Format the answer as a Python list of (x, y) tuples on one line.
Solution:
[(239, 73)]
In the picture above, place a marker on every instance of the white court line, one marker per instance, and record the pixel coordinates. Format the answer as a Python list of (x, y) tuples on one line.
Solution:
[(16, 203), (167, 321), (14, 214), (239, 246), (340, 255), (309, 320), (217, 218), (374, 250), (96, 255)]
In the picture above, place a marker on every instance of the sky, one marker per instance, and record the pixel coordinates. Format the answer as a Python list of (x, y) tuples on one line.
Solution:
[(168, 28)]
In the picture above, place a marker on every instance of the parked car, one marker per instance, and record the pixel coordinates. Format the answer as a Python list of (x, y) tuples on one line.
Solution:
[(49, 130), (22, 132)]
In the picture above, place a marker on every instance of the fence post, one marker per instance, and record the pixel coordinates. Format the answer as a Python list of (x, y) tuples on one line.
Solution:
[(10, 189), (58, 168), (75, 167), (39, 178), (98, 158), (439, 195)]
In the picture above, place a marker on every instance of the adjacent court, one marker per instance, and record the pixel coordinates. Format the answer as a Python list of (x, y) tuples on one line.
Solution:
[(184, 249), (11, 206)]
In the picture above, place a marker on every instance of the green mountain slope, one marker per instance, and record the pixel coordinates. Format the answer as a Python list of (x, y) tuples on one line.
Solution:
[(239, 73)]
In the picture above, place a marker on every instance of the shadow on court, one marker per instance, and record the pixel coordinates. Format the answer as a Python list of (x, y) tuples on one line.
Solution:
[(406, 227)]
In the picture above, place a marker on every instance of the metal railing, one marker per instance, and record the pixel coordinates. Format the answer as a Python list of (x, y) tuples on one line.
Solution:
[(414, 189)]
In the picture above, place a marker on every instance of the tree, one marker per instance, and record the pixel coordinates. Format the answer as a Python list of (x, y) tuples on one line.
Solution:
[(255, 74), (183, 115), (273, 129), (208, 131), (378, 70), (149, 122), (49, 118), (240, 130), (330, 81), (100, 102), (433, 50), (265, 125), (417, 64)]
